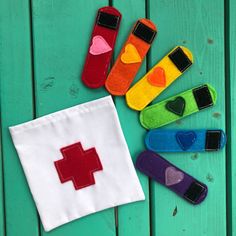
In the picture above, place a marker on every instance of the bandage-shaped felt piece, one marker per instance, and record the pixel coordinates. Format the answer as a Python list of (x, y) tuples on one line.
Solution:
[(178, 106), (162, 75), (130, 58), (101, 47), (165, 173), (161, 140)]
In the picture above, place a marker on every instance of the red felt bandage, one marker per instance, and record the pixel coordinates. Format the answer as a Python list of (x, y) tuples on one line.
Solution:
[(101, 47)]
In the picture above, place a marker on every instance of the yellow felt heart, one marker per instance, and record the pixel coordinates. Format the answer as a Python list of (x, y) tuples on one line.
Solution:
[(130, 54)]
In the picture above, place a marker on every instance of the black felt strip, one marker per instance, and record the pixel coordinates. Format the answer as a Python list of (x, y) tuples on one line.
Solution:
[(143, 32), (203, 97), (180, 59), (213, 139), (107, 20), (194, 192)]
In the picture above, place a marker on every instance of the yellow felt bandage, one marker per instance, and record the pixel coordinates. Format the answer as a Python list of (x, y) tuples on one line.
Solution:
[(159, 78)]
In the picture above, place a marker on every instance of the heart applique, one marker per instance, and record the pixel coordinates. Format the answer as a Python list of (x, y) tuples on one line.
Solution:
[(130, 55), (173, 176), (186, 139), (157, 77), (177, 106), (99, 46)]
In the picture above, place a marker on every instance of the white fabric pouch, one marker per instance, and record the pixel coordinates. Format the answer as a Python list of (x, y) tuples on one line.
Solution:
[(102, 151)]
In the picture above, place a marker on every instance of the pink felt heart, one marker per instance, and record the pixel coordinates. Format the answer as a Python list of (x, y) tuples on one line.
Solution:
[(173, 176), (99, 46)]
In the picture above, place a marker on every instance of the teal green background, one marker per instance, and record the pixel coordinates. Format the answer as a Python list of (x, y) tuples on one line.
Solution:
[(43, 44)]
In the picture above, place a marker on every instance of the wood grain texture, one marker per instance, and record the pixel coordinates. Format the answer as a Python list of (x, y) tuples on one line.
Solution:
[(2, 216), (231, 119), (133, 219), (61, 33), (16, 107), (61, 38), (198, 25)]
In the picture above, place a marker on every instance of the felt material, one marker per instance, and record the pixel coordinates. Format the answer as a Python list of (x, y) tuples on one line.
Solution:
[(179, 58), (173, 176), (162, 140), (186, 139), (144, 32), (78, 165), (176, 106), (107, 20), (157, 77), (122, 74), (144, 92), (130, 54), (158, 115), (165, 173), (101, 47), (39, 144), (203, 97), (213, 140)]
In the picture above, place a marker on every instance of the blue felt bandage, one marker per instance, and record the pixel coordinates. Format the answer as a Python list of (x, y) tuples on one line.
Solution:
[(160, 140)]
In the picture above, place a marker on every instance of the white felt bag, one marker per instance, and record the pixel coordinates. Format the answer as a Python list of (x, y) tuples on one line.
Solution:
[(93, 124)]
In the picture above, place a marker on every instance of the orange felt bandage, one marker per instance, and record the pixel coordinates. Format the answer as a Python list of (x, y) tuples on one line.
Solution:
[(130, 58)]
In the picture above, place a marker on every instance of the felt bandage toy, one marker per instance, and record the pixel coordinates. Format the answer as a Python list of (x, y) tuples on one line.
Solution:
[(130, 58), (101, 47), (165, 173), (162, 140), (162, 75), (177, 107), (76, 162)]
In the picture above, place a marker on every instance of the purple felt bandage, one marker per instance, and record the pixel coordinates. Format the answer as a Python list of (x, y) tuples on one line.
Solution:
[(159, 169)]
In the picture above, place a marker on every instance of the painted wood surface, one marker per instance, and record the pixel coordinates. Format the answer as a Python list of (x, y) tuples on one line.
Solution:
[(41, 60), (231, 125), (16, 107), (2, 220)]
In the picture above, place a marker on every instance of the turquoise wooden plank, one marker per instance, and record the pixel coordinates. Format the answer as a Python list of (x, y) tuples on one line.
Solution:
[(61, 38), (231, 8), (198, 25), (133, 219), (16, 107), (2, 219)]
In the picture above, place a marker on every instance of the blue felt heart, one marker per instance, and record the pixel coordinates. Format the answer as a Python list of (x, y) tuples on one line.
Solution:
[(186, 139)]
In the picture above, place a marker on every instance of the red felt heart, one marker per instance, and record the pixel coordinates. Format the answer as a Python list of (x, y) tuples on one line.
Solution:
[(157, 77)]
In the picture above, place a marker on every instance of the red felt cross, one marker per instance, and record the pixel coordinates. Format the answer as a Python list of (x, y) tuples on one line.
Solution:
[(78, 165)]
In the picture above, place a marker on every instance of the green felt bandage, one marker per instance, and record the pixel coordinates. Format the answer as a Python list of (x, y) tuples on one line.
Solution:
[(178, 106)]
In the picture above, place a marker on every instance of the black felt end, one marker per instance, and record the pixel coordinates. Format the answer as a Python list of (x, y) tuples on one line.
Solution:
[(194, 192), (203, 97), (143, 32), (180, 59), (213, 139), (107, 20)]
